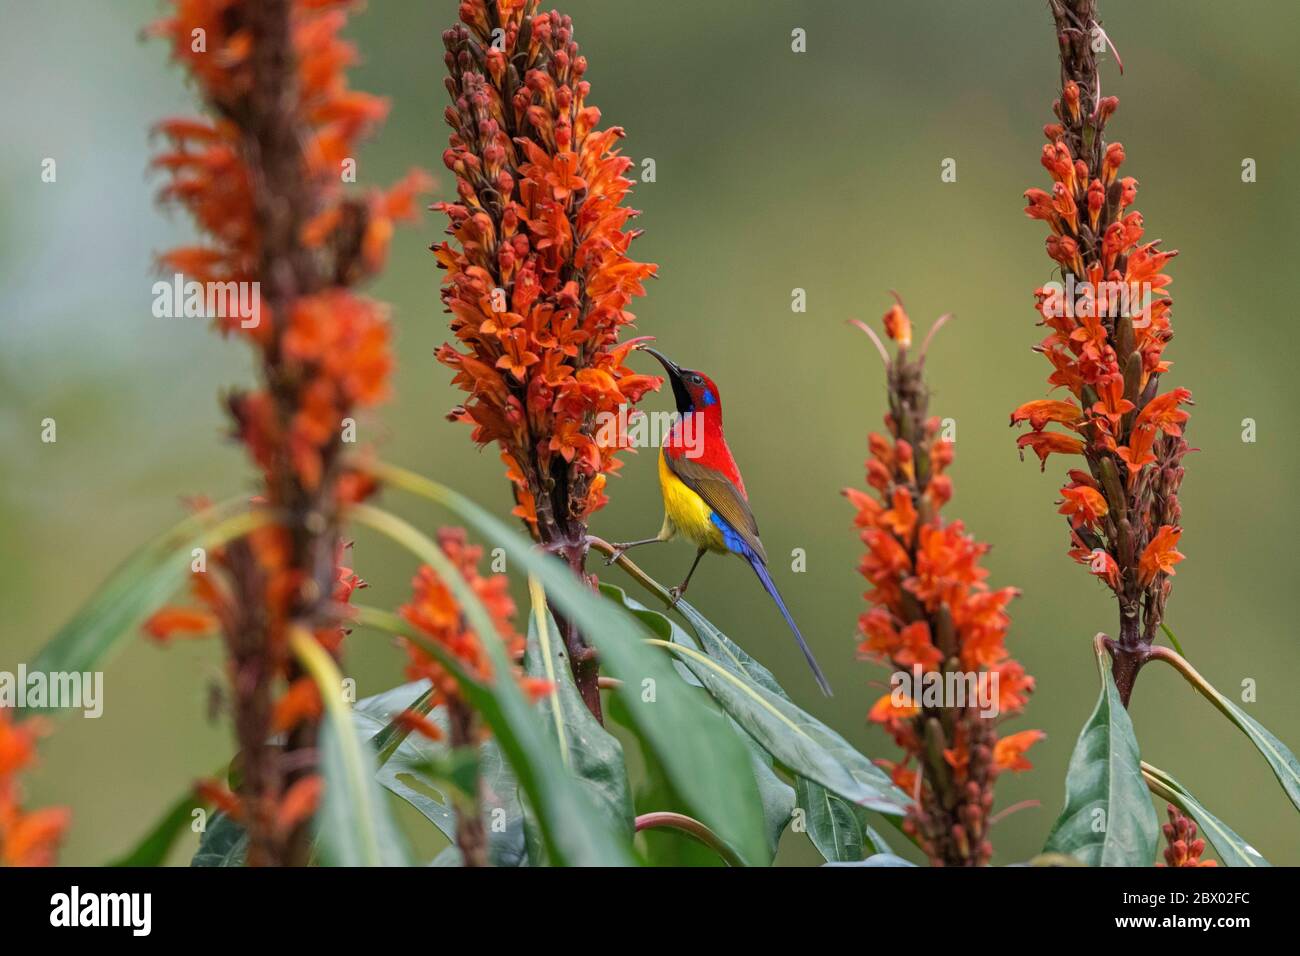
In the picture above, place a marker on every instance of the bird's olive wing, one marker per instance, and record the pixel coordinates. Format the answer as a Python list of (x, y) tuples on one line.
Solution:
[(721, 494)]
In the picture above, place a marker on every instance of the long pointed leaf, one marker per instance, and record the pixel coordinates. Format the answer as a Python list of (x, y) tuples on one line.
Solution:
[(154, 846), (796, 739), (587, 749), (1232, 849), (354, 825), (1108, 819), (139, 586), (1280, 758)]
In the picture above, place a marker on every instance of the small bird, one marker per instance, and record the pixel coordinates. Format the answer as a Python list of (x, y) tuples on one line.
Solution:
[(704, 496)]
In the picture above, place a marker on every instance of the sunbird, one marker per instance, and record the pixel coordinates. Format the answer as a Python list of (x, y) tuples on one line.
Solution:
[(704, 496)]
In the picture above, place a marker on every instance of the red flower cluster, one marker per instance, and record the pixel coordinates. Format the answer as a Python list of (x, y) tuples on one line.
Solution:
[(264, 180), (435, 612), (933, 614), (1108, 324), (27, 837), (1183, 846), (538, 277)]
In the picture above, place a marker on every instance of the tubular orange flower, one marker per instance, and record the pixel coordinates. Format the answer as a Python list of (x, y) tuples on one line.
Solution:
[(263, 180), (1108, 323), (538, 279), (933, 614), (27, 837)]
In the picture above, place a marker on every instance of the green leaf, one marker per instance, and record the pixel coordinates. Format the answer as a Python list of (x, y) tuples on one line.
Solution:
[(587, 749), (710, 769), (1280, 758), (1108, 819), (140, 586), (153, 848), (1232, 849), (749, 694), (878, 859), (224, 843), (654, 793), (354, 825), (776, 796), (836, 827), (406, 774), (566, 812)]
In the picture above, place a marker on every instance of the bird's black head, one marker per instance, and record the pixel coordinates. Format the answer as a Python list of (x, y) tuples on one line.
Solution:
[(693, 391)]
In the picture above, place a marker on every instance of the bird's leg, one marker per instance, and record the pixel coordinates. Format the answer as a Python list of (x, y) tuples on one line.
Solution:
[(678, 591), (628, 545)]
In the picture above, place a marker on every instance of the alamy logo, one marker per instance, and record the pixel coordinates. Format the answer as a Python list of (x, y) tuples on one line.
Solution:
[(638, 429), (945, 689), (1081, 299), (133, 910), (59, 690), (180, 299)]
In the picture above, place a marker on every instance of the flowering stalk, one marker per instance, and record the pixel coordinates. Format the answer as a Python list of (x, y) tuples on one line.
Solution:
[(433, 611), (933, 619), (27, 837), (263, 179), (1182, 846), (1109, 323), (538, 278)]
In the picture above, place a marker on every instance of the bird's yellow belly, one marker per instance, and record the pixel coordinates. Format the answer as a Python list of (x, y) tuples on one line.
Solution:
[(686, 513)]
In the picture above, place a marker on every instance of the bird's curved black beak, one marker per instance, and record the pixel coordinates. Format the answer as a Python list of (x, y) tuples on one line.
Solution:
[(682, 397)]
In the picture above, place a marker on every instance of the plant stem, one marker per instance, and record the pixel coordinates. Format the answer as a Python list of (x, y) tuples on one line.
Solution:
[(471, 836), (633, 570), (693, 828)]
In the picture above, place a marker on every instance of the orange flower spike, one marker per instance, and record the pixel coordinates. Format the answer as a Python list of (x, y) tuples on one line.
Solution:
[(1132, 442), (1184, 847), (541, 214), (931, 611)]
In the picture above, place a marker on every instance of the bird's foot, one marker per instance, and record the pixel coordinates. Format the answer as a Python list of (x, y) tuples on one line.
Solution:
[(677, 593), (615, 554)]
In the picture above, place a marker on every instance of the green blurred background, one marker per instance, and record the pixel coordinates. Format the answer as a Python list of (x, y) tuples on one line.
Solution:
[(776, 170)]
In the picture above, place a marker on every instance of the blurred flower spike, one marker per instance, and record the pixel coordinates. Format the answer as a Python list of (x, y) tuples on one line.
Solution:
[(27, 837), (434, 611), (263, 177)]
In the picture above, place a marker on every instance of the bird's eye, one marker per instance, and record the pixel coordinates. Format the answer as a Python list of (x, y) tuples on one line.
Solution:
[(696, 380)]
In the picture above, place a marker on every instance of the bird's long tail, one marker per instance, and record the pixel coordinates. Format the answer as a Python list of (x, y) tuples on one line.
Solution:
[(761, 570)]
